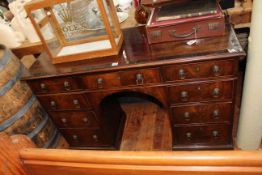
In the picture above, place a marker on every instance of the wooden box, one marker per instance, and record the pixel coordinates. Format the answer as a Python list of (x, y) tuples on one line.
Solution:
[(74, 30)]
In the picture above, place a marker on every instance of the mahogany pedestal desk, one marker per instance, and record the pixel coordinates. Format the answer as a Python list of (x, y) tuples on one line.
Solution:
[(195, 85)]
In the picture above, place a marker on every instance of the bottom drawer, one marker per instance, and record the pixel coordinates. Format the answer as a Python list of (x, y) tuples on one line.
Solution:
[(203, 135), (85, 137)]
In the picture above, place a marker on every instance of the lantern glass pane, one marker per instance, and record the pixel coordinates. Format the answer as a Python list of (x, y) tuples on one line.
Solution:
[(50, 38), (113, 21), (39, 15), (79, 20)]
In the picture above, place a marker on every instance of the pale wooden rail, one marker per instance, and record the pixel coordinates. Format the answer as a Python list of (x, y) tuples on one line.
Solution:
[(72, 162)]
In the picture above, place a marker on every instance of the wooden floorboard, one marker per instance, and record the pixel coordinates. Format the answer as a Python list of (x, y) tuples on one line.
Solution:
[(147, 128)]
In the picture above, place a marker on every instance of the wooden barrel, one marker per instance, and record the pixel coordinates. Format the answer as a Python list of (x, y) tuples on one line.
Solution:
[(20, 112)]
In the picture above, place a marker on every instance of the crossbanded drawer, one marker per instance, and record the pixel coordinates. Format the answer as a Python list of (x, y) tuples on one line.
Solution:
[(197, 92), (75, 119), (55, 85), (202, 113), (65, 102), (85, 137), (214, 134), (207, 69), (101, 81)]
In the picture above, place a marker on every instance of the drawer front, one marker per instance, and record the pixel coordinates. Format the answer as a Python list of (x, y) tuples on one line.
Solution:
[(75, 119), (102, 81), (140, 77), (221, 90), (65, 102), (200, 70), (84, 137), (204, 113), (57, 85), (209, 135)]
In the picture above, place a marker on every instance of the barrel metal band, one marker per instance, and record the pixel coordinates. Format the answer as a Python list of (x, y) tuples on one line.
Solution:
[(51, 140), (39, 127), (5, 59), (56, 141), (18, 115), (12, 81)]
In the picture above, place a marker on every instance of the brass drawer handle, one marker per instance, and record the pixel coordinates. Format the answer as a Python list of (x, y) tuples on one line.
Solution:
[(85, 120), (189, 135), (184, 95), (95, 137), (76, 103), (182, 73), (43, 87), (215, 134), (100, 83), (64, 120), (53, 104), (187, 116), (216, 114), (216, 92), (216, 70), (67, 86), (75, 137), (139, 79)]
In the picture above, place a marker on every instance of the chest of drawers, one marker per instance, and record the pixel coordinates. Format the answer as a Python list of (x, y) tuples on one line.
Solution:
[(195, 85)]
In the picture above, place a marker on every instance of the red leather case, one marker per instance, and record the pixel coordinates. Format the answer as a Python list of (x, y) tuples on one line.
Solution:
[(185, 28)]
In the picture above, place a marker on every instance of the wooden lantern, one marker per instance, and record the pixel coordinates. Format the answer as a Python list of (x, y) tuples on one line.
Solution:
[(72, 30)]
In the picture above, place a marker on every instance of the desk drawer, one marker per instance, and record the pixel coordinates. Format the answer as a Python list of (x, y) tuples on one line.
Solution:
[(75, 119), (84, 137), (207, 134), (55, 85), (200, 70), (65, 102), (208, 91), (140, 77), (204, 113), (101, 81)]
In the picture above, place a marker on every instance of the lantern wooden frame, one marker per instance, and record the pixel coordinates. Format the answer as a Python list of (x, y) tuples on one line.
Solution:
[(50, 18)]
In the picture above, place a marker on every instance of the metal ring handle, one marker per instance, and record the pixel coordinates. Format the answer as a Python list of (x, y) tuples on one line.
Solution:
[(139, 79), (67, 86), (173, 33), (100, 82)]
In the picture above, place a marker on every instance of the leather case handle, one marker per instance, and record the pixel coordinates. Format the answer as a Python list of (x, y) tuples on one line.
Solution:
[(174, 34)]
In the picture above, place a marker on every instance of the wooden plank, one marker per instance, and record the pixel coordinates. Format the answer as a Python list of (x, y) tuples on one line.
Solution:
[(147, 128), (73, 162), (10, 163)]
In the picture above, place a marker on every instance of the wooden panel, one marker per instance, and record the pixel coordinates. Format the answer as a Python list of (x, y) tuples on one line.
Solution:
[(140, 77), (42, 162), (209, 91), (65, 102), (147, 128), (206, 134), (200, 70), (204, 113), (75, 119), (101, 81), (56, 85)]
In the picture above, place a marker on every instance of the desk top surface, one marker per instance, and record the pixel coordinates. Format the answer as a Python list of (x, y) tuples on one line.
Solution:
[(137, 53)]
